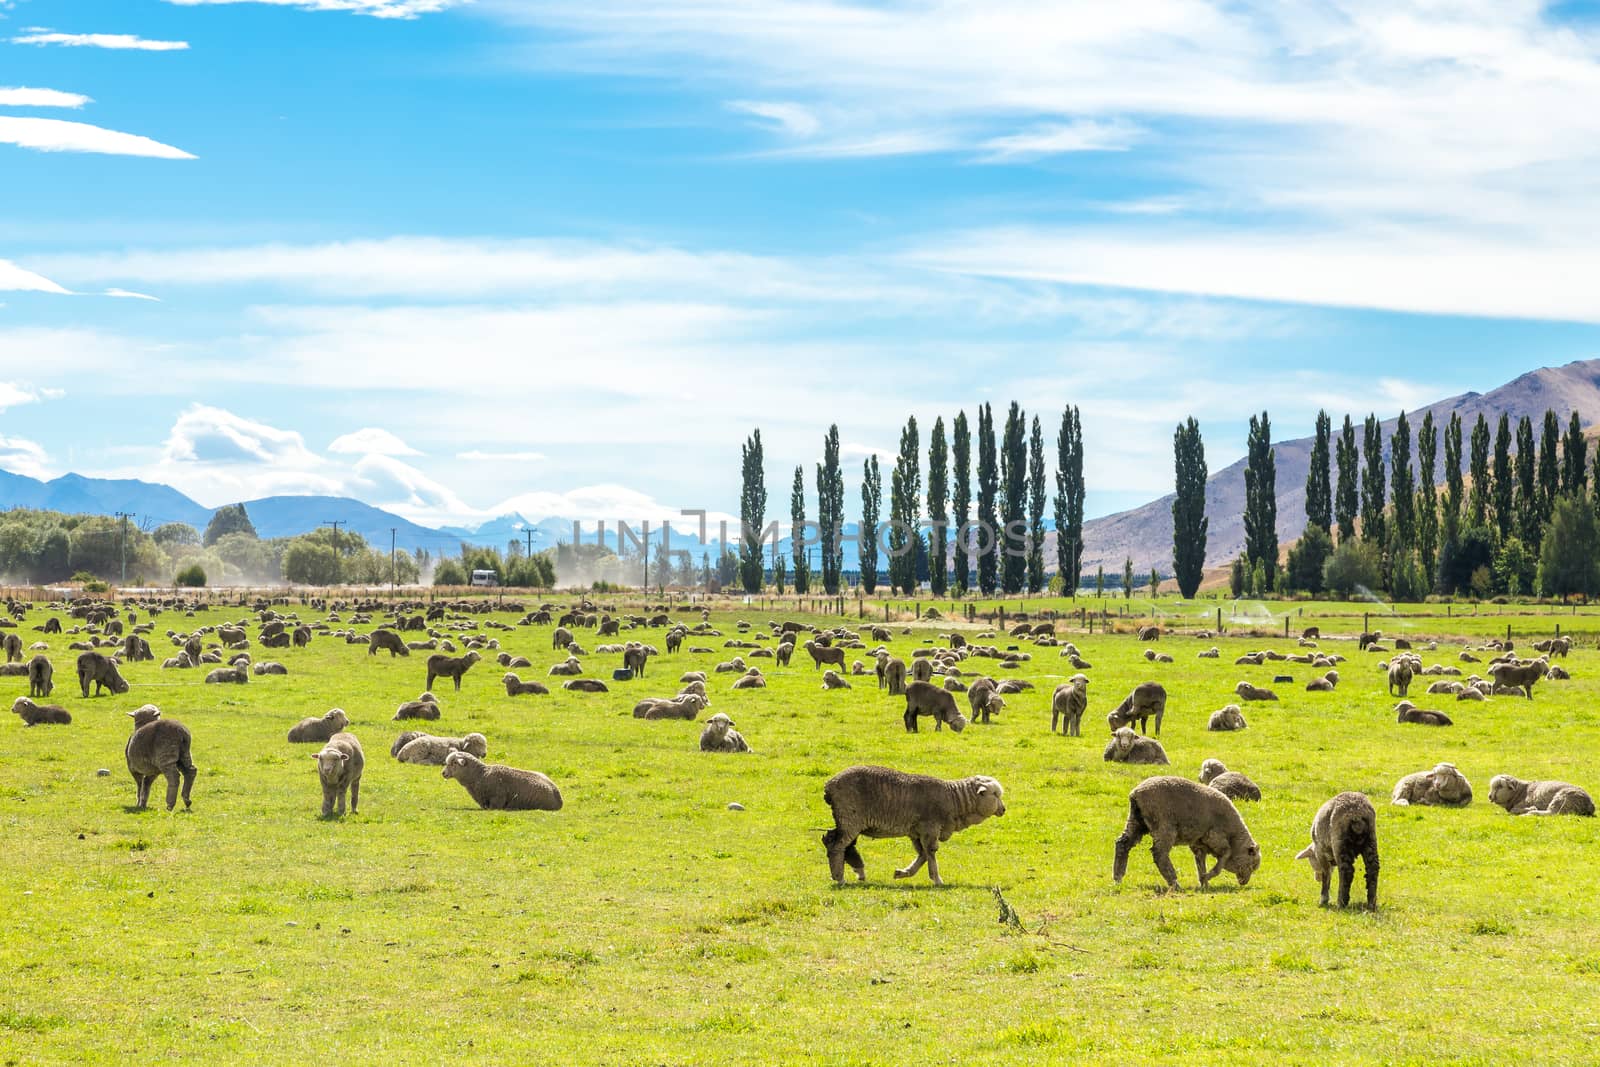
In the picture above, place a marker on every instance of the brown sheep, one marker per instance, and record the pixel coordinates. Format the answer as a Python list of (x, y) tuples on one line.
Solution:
[(1175, 811), (924, 698), (159, 747), (41, 677), (424, 707), (1126, 746), (751, 679), (387, 640), (821, 654), (586, 685), (1344, 828), (1408, 712), (1147, 699), (339, 767), (686, 706), (100, 672), (516, 687), (1444, 786), (332, 722), (452, 667), (634, 657), (1538, 798), (1246, 691), (922, 670), (832, 680), (1520, 675), (880, 802), (228, 676), (992, 705), (1230, 784), (720, 736), (1149, 633), (1229, 718), (40, 714), (1067, 705), (501, 788)]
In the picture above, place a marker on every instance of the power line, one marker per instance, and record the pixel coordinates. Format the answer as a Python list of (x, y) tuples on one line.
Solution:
[(336, 523)]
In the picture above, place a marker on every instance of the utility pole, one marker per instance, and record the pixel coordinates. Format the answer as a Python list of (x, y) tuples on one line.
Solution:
[(124, 516), (394, 572), (337, 568), (528, 530)]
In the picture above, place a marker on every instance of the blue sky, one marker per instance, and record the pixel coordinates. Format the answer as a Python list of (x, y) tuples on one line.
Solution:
[(455, 258)]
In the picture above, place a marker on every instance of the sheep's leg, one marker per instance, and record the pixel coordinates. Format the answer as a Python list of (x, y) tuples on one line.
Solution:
[(1325, 875), (1055, 716), (172, 787), (355, 794), (339, 803), (1131, 835), (327, 801), (838, 848), (916, 864), (1161, 852), (141, 788), (930, 848), (429, 686), (1347, 875), (1369, 870), (189, 773), (1200, 865), (852, 856)]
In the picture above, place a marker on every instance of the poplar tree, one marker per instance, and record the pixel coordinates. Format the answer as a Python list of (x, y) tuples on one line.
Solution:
[(988, 493), (797, 522), (830, 511), (1189, 522), (1036, 508), (1261, 501), (1374, 497), (1347, 504), (752, 514), (1319, 491), (962, 496), (1480, 504), (938, 509), (1574, 459), (867, 535), (1454, 487), (1402, 487), (1014, 500), (1505, 485), (905, 491), (1527, 485), (1428, 498), (1549, 466), (1069, 500)]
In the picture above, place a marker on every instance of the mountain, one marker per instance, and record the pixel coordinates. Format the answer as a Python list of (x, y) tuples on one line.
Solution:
[(285, 516), (1145, 533), (74, 493)]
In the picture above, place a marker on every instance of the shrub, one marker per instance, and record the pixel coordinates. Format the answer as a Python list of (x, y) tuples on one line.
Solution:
[(192, 576), (1354, 565)]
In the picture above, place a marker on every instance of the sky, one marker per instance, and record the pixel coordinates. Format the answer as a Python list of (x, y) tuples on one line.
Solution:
[(462, 258)]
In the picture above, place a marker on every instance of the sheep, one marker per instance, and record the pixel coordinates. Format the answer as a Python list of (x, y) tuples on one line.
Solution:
[(1246, 691), (1445, 688), (498, 787), (1229, 718), (924, 698), (433, 751), (1230, 784), (1211, 653), (1013, 685), (1152, 656), (1325, 684), (1409, 712), (993, 705), (560, 638), (36, 714), (892, 675), (1344, 828), (228, 676), (697, 688), (1399, 677), (1538, 798), (339, 766), (568, 667), (1147, 699), (1149, 633), (586, 685), (41, 677), (159, 746), (320, 729), (13, 648), (424, 707), (1559, 674), (832, 680), (858, 669), (516, 687), (1126, 746), (750, 679), (693, 676), (1067, 705), (95, 669), (507, 660), (269, 667), (1367, 640), (452, 667), (683, 706), (1175, 811), (1520, 675), (634, 657), (405, 738), (881, 802), (821, 654), (732, 666), (387, 640), (1444, 786), (952, 684), (720, 736)]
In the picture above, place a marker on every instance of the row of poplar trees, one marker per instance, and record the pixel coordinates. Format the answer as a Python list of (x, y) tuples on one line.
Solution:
[(923, 536)]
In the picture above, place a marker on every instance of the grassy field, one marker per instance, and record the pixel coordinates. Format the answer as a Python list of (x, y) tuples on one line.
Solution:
[(648, 923)]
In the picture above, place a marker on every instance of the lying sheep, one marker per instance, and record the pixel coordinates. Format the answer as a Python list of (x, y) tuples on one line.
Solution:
[(159, 747), (1230, 784), (1326, 684), (684, 706), (1408, 712), (1246, 691), (405, 738), (339, 766), (1228, 718), (880, 802), (1344, 828), (498, 787), (1068, 703), (720, 736), (40, 714), (693, 676), (1175, 811), (433, 751), (1444, 786), (425, 706), (924, 698), (268, 667), (832, 680), (1147, 699), (228, 676), (1538, 798), (332, 722), (516, 687), (1126, 746), (750, 679), (1446, 688), (1211, 653), (586, 685)]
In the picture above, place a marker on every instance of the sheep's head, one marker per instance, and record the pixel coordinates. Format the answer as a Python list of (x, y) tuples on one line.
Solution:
[(1504, 790), (1210, 769), (336, 718), (1123, 739), (330, 762), (456, 764), (719, 725), (145, 715), (958, 721), (476, 744), (1244, 861), (990, 796)]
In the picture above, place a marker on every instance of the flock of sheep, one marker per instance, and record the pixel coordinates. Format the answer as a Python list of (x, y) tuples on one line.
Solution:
[(865, 801)]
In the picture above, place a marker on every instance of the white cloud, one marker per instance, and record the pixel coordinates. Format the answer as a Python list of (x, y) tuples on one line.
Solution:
[(792, 119), (407, 491), (480, 456), (21, 456), (129, 294), (1057, 139), (606, 502), (372, 441), (13, 394), (24, 97), (116, 41), (59, 135), (383, 9), (204, 434), (15, 278)]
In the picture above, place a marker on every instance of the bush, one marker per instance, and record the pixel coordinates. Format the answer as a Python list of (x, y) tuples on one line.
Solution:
[(449, 572), (192, 576), (1353, 566)]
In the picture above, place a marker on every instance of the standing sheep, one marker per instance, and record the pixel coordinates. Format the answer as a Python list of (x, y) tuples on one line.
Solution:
[(339, 766), (1344, 828), (1444, 786), (1399, 676), (100, 672), (1538, 798), (924, 698), (159, 747), (720, 736), (1174, 811), (821, 654), (1147, 699), (452, 667), (501, 788), (880, 802), (388, 641), (322, 729), (1067, 705), (41, 677)]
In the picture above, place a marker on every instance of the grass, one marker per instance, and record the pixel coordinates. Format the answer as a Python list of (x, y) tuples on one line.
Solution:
[(647, 923)]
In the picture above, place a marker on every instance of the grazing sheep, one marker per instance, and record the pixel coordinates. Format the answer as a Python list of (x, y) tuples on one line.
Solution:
[(1126, 746), (1246, 691), (1444, 786), (95, 669), (339, 766), (433, 751), (586, 685), (751, 679), (424, 707), (516, 687), (498, 787), (924, 698), (13, 648), (1068, 703), (1519, 675), (992, 705), (892, 675), (880, 802), (634, 657), (1409, 712), (1230, 784), (41, 677), (1344, 828), (1175, 811), (720, 736), (922, 670), (269, 667), (228, 676), (1229, 718), (405, 738), (388, 640), (1147, 699), (451, 667), (1538, 798), (159, 747), (683, 706), (560, 638), (1149, 633), (36, 714), (832, 680), (332, 722)]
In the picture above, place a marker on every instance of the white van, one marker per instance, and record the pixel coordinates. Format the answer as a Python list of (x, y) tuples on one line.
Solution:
[(484, 578)]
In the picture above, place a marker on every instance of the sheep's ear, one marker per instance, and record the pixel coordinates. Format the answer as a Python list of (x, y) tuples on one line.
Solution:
[(1304, 854), (982, 789)]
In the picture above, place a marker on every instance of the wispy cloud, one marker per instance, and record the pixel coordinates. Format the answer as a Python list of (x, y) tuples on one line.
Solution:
[(383, 9), (1058, 139), (792, 119), (476, 455), (371, 441), (59, 135), (13, 394), (129, 294), (16, 278), (22, 456), (116, 41), (24, 97)]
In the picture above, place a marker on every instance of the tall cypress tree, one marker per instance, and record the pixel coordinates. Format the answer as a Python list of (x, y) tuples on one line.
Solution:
[(988, 500), (1347, 504), (962, 494), (1549, 466), (904, 500), (1374, 497), (1402, 486), (1036, 507), (1319, 491), (1014, 500), (938, 505), (1261, 501), (1574, 459), (871, 510), (1480, 504), (797, 522), (752, 514), (1189, 522), (1069, 500), (1454, 485), (1428, 498), (1505, 481), (1527, 485), (830, 511)]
